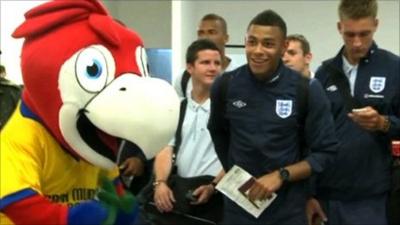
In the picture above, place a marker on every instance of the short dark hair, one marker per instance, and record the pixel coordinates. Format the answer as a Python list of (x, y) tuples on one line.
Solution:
[(357, 9), (305, 45), (197, 46), (269, 18), (213, 16)]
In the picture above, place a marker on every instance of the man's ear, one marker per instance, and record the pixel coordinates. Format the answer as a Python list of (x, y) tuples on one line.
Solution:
[(376, 23), (284, 47), (189, 68), (339, 26), (308, 58), (226, 38)]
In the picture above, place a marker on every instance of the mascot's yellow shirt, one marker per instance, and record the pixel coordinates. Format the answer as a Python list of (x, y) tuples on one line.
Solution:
[(31, 159)]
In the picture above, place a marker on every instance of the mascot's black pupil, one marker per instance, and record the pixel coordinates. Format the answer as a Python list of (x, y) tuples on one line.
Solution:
[(93, 70)]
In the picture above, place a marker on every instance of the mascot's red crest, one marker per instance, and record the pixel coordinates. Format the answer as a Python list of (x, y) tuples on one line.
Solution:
[(57, 35)]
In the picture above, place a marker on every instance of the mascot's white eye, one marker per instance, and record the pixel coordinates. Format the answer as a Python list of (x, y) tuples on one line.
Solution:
[(141, 59), (91, 70)]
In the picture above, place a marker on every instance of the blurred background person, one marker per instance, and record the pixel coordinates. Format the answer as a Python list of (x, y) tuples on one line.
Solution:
[(298, 55), (10, 94), (214, 28)]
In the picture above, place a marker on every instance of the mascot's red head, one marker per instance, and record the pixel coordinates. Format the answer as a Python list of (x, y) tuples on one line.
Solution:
[(86, 80)]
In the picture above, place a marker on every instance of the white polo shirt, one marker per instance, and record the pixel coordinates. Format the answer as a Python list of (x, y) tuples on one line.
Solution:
[(196, 155)]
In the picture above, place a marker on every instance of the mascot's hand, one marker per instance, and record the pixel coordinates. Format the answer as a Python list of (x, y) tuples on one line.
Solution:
[(109, 209), (87, 213), (121, 209)]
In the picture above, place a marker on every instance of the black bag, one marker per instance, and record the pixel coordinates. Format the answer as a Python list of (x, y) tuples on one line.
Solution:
[(208, 213), (154, 217), (183, 212), (181, 187)]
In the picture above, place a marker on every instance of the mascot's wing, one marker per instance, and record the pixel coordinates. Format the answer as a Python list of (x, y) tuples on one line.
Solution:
[(36, 209)]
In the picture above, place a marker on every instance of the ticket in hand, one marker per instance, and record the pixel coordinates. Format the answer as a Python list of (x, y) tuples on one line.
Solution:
[(359, 110), (236, 185)]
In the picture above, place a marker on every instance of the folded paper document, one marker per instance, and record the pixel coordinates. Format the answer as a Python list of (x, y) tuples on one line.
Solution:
[(236, 185)]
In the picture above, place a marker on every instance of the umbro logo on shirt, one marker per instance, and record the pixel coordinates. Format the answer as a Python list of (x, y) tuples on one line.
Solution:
[(239, 104), (331, 88)]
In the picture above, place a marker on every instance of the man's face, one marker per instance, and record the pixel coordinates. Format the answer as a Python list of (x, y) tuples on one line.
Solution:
[(358, 36), (295, 58), (206, 67), (213, 30), (264, 46)]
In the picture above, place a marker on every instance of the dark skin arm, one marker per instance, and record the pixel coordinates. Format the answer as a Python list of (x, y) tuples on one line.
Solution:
[(132, 166), (271, 182), (315, 214)]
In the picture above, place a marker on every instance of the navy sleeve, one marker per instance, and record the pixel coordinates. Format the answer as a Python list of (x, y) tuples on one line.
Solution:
[(394, 130), (320, 74), (394, 117), (319, 129), (217, 124)]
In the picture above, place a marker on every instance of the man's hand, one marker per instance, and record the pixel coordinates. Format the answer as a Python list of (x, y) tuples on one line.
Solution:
[(203, 194), (315, 214), (264, 186), (368, 118), (132, 166), (164, 197)]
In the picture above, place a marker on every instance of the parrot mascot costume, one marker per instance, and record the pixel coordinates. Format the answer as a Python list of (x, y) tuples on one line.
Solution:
[(86, 88)]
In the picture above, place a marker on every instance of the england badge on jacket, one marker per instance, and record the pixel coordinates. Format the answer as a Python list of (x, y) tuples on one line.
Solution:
[(377, 84), (283, 108)]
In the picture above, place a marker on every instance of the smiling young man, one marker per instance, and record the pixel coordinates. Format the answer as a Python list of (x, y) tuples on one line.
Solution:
[(196, 155), (362, 83), (257, 127)]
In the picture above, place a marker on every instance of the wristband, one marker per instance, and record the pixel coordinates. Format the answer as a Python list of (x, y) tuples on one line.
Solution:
[(386, 124), (158, 182)]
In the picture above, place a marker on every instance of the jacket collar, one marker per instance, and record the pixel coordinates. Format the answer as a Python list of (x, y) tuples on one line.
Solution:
[(272, 79), (337, 61)]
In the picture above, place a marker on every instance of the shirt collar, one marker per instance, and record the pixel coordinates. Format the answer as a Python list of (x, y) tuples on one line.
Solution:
[(347, 67), (196, 106), (371, 51)]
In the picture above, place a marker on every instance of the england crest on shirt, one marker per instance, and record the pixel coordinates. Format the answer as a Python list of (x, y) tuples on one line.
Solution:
[(377, 84), (283, 108)]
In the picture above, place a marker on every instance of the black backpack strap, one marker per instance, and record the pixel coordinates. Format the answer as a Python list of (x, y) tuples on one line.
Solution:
[(224, 89), (338, 78), (178, 132), (302, 99), (218, 123), (184, 82), (302, 109)]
